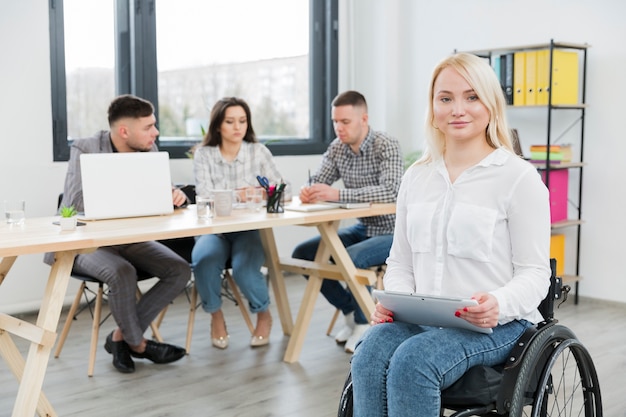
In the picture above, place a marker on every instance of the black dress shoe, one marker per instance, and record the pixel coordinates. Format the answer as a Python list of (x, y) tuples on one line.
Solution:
[(160, 352), (121, 355)]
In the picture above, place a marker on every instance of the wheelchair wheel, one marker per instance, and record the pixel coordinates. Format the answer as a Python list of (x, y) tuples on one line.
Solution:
[(569, 385), (558, 379)]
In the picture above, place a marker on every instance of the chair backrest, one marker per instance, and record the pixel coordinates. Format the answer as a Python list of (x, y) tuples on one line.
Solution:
[(190, 192)]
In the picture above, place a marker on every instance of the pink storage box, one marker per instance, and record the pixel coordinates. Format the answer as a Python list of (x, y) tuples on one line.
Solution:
[(558, 193)]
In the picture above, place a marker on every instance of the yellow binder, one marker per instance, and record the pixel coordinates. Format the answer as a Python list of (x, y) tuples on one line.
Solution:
[(564, 77), (519, 79), (543, 76), (557, 251), (531, 78)]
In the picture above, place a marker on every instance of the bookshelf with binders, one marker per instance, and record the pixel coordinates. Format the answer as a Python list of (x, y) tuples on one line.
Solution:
[(552, 77)]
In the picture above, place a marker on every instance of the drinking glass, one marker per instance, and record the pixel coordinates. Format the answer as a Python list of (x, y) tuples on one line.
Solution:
[(14, 211), (254, 198), (205, 207)]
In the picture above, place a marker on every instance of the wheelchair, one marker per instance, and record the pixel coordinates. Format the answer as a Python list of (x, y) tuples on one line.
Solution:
[(548, 373)]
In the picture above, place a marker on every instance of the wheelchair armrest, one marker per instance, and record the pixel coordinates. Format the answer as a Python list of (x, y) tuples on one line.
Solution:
[(523, 342)]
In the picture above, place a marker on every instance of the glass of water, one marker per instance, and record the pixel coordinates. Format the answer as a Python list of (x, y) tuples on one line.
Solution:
[(14, 211), (205, 207), (254, 198)]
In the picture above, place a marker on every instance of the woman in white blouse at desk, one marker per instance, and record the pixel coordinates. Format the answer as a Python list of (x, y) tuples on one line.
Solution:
[(472, 220), (230, 157)]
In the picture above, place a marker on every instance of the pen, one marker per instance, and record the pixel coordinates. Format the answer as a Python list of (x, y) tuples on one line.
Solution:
[(310, 182)]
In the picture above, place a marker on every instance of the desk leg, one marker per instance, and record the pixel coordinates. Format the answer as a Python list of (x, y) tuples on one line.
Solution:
[(305, 312), (348, 270), (277, 279), (15, 361), (294, 347), (38, 355), (5, 266)]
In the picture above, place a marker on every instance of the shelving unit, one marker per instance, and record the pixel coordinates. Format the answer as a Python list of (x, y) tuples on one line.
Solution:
[(580, 106)]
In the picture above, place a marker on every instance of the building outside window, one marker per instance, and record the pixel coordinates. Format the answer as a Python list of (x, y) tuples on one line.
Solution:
[(264, 61), (183, 55), (89, 65)]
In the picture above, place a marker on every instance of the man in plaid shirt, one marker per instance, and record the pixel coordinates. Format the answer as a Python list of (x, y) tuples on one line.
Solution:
[(370, 165)]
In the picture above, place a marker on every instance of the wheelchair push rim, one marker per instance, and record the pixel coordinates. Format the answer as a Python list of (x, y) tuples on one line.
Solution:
[(560, 380), (569, 384)]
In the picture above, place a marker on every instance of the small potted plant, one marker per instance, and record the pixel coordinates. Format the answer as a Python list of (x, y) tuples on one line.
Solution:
[(68, 218)]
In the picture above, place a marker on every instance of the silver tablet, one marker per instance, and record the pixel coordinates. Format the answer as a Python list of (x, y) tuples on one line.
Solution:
[(427, 310)]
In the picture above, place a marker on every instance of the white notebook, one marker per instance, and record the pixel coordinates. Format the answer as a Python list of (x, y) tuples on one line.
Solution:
[(310, 207), (427, 310), (349, 204), (327, 205), (127, 184)]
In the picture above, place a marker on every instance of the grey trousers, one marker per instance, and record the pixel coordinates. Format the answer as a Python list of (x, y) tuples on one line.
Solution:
[(117, 267)]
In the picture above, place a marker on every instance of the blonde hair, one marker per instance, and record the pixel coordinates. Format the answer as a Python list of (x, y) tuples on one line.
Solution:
[(482, 78)]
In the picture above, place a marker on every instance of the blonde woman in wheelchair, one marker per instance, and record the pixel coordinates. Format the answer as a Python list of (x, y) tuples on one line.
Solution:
[(473, 220)]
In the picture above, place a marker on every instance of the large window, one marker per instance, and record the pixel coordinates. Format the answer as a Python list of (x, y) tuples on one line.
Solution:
[(183, 55)]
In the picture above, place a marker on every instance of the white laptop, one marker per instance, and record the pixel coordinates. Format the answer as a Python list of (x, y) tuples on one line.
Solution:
[(427, 310), (127, 184)]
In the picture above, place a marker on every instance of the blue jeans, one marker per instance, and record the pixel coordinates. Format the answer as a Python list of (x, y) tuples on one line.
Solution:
[(364, 251), (399, 369), (245, 252)]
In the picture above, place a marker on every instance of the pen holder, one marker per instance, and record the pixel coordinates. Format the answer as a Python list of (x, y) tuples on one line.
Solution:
[(276, 203)]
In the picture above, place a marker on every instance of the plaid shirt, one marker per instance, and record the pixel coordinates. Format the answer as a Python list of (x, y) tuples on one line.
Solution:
[(373, 175), (213, 172)]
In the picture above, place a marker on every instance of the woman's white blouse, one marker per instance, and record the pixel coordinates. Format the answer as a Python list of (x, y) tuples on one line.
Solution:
[(489, 231)]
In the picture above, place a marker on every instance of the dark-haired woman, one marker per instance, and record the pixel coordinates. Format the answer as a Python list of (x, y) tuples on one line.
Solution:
[(230, 157)]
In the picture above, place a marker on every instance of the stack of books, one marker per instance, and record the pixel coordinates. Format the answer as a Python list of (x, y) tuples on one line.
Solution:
[(557, 153)]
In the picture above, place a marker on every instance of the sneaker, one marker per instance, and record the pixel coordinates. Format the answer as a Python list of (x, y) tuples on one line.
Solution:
[(356, 335), (344, 333)]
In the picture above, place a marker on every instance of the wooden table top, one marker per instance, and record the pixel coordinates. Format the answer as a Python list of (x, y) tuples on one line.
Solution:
[(38, 235)]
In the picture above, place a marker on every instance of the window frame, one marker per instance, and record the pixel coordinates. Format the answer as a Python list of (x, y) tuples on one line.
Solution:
[(136, 73)]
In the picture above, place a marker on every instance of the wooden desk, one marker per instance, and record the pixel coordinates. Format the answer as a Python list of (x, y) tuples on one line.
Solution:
[(39, 235)]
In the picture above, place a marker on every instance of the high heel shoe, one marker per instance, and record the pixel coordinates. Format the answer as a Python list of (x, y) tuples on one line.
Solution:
[(220, 342), (257, 341), (263, 338)]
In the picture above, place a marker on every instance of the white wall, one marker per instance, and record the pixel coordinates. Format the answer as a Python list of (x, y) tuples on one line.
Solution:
[(387, 51), (26, 167)]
